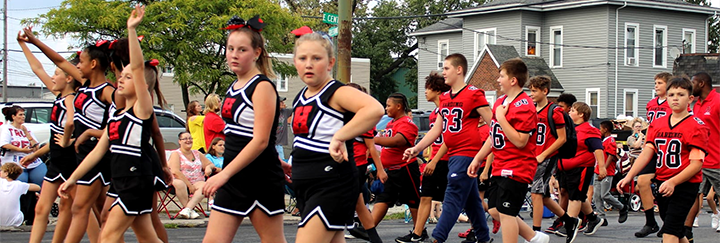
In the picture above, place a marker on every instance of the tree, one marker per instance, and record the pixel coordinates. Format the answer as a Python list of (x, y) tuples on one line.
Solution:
[(184, 34)]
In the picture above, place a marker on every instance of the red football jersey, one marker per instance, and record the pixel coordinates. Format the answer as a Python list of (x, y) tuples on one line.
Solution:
[(708, 111), (460, 120), (360, 149), (484, 131), (657, 108), (545, 139), (392, 157), (583, 157), (673, 145), (510, 161), (439, 141), (609, 149)]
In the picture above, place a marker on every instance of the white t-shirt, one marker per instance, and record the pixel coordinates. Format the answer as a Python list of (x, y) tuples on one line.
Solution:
[(16, 137), (10, 192)]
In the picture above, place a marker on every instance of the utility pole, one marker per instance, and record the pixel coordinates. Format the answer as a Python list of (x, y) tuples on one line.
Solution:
[(5, 53), (344, 40)]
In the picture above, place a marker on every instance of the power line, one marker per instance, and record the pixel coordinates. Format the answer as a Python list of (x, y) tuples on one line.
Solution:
[(393, 17), (30, 9), (11, 50)]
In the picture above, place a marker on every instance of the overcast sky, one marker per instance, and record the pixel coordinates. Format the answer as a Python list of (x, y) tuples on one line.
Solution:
[(19, 72)]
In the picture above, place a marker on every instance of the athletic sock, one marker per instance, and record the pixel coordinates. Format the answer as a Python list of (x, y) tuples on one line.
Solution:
[(373, 234), (591, 217), (565, 218), (650, 217), (536, 228)]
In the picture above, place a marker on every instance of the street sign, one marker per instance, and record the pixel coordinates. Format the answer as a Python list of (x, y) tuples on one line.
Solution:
[(330, 18), (333, 31)]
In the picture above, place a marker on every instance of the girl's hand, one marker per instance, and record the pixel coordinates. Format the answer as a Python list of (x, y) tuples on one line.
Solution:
[(214, 183), (338, 150), (27, 160), (59, 140), (64, 189), (21, 38), (29, 36), (136, 17), (382, 176), (80, 140)]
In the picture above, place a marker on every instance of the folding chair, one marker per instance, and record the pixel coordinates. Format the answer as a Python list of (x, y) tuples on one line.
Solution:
[(292, 203), (168, 196)]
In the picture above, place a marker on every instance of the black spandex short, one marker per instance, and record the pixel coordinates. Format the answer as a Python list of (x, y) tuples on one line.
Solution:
[(680, 202), (434, 185), (506, 195)]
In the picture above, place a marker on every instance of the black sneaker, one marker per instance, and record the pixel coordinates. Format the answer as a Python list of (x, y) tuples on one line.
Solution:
[(562, 232), (623, 214), (583, 224), (572, 229), (409, 238), (646, 230), (593, 226), (553, 229), (359, 232), (605, 222), (424, 235), (470, 238)]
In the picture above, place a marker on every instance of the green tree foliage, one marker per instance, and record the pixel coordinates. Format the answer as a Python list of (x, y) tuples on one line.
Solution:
[(184, 34)]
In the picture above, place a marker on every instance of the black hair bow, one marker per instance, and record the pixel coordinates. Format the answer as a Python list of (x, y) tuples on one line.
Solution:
[(255, 23)]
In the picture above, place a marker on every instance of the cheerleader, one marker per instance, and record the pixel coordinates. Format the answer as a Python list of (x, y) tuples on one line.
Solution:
[(91, 103), (327, 117), (251, 182), (62, 156), (128, 138)]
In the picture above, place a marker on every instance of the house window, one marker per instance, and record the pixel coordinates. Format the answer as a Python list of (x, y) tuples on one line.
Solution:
[(281, 84), (592, 98), (443, 51), (631, 102), (660, 46), (631, 42), (556, 49), (688, 40), (490, 96), (483, 37), (532, 36)]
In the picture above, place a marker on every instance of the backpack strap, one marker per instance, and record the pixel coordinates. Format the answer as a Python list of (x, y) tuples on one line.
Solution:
[(551, 121)]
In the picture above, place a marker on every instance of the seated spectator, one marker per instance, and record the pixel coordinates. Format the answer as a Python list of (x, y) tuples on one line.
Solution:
[(10, 191), (189, 167), (17, 142), (213, 125), (215, 152)]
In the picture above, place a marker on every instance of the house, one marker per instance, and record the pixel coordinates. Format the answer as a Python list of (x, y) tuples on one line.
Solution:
[(605, 52), (690, 64), (485, 72), (287, 87)]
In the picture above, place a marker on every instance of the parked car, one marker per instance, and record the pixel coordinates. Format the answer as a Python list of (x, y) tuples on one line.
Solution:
[(37, 120)]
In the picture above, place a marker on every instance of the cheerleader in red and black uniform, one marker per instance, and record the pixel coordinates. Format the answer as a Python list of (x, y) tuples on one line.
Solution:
[(251, 182), (327, 117), (128, 138)]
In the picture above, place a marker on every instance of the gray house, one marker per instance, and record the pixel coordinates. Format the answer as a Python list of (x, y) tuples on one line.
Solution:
[(605, 52)]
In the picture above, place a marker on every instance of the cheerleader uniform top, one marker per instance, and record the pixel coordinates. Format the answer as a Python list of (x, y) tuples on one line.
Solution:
[(238, 113), (62, 160), (130, 147), (90, 112), (314, 123)]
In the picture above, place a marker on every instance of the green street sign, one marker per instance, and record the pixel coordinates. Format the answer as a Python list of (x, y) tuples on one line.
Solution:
[(333, 31), (330, 18)]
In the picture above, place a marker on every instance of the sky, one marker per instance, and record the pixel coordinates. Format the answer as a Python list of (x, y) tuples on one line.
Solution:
[(19, 72)]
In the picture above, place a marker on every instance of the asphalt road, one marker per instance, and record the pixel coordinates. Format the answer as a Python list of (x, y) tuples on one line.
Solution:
[(391, 229)]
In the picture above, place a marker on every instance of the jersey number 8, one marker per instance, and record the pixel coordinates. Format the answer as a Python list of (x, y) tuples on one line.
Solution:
[(669, 154)]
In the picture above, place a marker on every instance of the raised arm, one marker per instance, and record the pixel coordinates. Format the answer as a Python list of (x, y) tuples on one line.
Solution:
[(60, 61), (367, 113), (143, 105), (35, 64)]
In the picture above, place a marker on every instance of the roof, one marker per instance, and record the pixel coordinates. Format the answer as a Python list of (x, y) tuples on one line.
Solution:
[(443, 26), (690, 64), (536, 65), (552, 5)]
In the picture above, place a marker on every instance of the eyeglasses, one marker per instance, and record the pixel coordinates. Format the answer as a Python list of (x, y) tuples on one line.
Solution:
[(184, 139)]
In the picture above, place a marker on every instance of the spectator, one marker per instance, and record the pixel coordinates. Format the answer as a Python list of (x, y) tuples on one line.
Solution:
[(189, 168), (282, 128), (213, 125), (636, 139), (16, 144), (194, 125), (10, 192), (216, 149)]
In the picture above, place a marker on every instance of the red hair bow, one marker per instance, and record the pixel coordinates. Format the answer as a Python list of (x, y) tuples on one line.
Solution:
[(301, 31), (153, 62), (100, 43)]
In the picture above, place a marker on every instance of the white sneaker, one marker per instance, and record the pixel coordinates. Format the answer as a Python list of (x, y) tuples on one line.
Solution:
[(184, 214), (194, 215), (715, 219), (696, 223), (540, 237)]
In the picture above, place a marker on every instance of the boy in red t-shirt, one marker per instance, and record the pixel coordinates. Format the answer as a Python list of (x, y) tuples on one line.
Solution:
[(512, 141), (602, 186), (680, 142), (461, 108), (403, 183), (577, 173)]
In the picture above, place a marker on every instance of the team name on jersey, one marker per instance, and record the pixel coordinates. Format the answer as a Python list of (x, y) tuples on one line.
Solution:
[(669, 135)]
